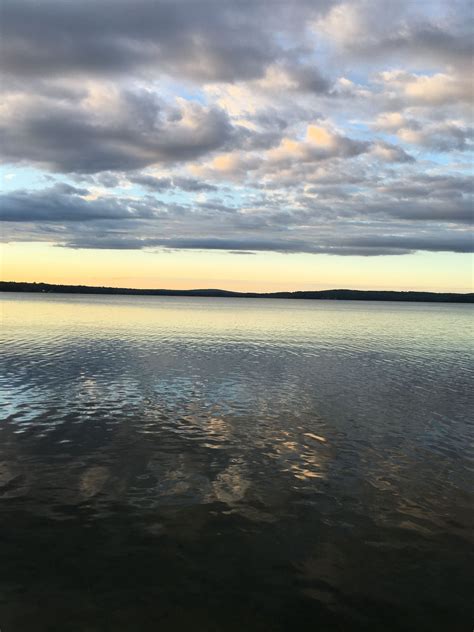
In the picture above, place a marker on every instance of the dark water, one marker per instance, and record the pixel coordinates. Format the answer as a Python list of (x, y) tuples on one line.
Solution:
[(230, 464)]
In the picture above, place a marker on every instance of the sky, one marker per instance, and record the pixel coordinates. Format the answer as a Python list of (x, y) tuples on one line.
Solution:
[(240, 144)]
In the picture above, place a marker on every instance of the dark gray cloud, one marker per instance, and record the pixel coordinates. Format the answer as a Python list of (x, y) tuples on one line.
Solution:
[(359, 246), (139, 131), (404, 30), (153, 183), (108, 180), (64, 203), (443, 137), (434, 210), (77, 220), (233, 40), (441, 187), (453, 242), (307, 77), (428, 41), (391, 153)]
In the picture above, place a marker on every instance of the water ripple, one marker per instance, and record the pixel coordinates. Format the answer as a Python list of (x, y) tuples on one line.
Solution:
[(317, 456)]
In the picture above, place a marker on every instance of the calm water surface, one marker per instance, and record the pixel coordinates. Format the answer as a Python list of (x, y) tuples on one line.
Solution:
[(234, 464)]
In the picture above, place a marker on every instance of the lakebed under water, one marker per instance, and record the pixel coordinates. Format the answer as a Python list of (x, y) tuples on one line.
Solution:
[(234, 464)]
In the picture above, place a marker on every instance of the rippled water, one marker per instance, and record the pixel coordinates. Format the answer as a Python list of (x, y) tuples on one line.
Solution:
[(232, 464)]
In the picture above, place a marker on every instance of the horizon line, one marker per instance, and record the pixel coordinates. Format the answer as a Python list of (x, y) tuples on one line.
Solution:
[(63, 288)]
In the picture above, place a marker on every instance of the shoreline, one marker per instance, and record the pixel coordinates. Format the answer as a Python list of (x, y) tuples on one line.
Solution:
[(336, 294)]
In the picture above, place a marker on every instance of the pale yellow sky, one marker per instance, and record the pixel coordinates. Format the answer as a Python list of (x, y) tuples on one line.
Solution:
[(216, 269)]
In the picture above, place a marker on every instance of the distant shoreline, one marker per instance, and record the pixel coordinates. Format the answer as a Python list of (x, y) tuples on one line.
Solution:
[(342, 294)]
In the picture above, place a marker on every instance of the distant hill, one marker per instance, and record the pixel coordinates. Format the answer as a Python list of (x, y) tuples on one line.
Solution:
[(342, 295)]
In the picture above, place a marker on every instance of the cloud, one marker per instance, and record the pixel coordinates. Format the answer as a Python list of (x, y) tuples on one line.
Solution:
[(390, 153), (452, 211), (64, 203), (357, 246), (152, 183), (445, 136), (428, 186), (427, 90), (393, 220), (454, 242), (166, 183), (401, 30), (319, 144), (237, 40), (120, 130), (292, 75), (315, 126)]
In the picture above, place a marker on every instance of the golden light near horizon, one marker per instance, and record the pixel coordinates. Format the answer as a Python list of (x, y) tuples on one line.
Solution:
[(260, 272)]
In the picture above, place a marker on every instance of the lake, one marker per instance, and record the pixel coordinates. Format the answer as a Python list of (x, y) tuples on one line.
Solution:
[(235, 464)]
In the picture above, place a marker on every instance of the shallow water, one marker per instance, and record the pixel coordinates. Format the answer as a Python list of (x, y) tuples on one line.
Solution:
[(234, 464)]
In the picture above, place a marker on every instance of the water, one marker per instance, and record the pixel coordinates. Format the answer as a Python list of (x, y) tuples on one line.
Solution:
[(231, 464)]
